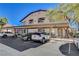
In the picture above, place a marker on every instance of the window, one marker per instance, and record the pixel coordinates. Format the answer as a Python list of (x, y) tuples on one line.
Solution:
[(41, 19), (31, 21)]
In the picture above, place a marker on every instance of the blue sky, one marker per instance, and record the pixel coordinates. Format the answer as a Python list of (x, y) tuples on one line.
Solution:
[(14, 12)]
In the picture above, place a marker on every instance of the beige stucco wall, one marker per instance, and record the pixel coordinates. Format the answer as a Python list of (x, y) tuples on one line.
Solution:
[(35, 16)]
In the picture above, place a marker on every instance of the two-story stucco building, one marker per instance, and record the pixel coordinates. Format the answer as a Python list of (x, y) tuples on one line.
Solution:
[(36, 17), (38, 21)]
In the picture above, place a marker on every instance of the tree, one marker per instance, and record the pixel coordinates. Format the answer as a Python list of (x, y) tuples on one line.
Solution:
[(55, 15), (71, 11), (68, 12), (3, 21)]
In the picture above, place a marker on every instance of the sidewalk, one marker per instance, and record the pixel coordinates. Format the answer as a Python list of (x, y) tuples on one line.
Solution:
[(61, 39)]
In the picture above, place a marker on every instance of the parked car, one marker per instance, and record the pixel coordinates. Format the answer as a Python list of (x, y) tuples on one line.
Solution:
[(42, 37), (76, 42), (26, 37), (18, 35), (5, 34)]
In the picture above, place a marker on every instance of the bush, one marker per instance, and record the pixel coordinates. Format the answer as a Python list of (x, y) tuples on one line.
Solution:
[(76, 35)]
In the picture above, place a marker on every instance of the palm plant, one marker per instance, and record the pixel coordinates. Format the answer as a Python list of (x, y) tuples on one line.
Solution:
[(3, 21)]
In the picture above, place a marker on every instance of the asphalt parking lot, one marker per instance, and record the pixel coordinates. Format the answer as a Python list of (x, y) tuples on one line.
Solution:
[(19, 44), (17, 47), (50, 48)]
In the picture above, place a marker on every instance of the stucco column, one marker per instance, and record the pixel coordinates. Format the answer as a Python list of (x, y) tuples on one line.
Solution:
[(50, 31), (58, 32), (61, 32), (66, 33), (15, 30)]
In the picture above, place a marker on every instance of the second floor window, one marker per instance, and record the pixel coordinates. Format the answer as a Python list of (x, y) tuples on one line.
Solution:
[(40, 20), (31, 21)]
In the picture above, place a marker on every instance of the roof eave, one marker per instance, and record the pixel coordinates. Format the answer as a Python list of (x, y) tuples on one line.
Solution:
[(31, 13)]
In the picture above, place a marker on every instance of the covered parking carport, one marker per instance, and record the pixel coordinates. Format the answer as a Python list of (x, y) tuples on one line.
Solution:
[(62, 28)]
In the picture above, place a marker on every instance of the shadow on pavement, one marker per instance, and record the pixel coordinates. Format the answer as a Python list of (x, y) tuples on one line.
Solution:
[(18, 44), (65, 49)]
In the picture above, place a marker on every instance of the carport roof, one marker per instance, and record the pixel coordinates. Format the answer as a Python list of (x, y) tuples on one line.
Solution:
[(36, 26), (7, 25)]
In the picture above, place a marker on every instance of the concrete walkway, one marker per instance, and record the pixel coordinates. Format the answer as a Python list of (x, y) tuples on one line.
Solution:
[(49, 49)]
